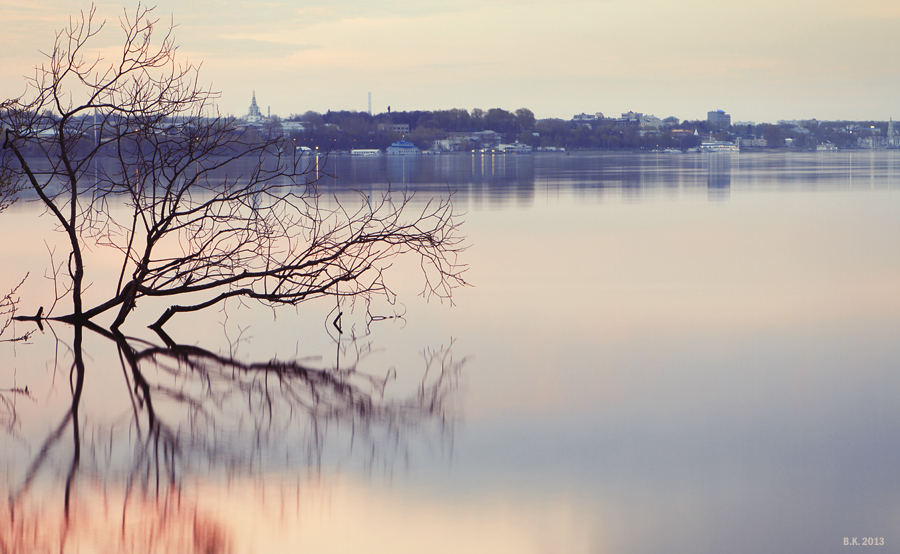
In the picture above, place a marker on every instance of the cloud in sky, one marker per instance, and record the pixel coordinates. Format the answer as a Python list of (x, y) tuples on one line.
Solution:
[(760, 60)]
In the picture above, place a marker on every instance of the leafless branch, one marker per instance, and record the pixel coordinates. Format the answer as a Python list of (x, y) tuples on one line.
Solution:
[(8, 305), (130, 155)]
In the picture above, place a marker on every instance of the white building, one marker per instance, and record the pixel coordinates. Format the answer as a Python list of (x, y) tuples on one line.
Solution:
[(719, 146), (892, 137), (516, 148), (254, 115), (590, 118), (288, 127)]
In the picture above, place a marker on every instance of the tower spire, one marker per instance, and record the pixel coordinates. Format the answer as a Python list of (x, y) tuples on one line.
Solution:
[(254, 116)]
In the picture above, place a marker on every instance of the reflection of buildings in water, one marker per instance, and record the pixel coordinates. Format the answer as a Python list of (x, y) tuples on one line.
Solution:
[(631, 175), (718, 172), (469, 176), (503, 176), (401, 170)]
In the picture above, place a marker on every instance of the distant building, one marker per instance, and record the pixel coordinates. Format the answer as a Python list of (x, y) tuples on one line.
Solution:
[(719, 119), (254, 115), (586, 120), (587, 117), (650, 122), (289, 127), (486, 139), (399, 128), (629, 119), (892, 136), (516, 148), (719, 146), (447, 145), (872, 143), (753, 141), (466, 141), (403, 148)]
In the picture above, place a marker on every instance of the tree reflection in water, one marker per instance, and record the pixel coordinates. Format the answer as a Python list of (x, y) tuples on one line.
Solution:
[(161, 521), (123, 486)]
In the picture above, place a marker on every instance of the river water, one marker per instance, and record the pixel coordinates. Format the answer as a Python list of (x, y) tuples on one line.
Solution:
[(659, 353)]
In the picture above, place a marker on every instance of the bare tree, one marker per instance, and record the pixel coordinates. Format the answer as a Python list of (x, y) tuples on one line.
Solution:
[(213, 210)]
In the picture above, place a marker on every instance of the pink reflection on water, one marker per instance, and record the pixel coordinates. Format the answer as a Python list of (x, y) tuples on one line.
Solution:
[(112, 519)]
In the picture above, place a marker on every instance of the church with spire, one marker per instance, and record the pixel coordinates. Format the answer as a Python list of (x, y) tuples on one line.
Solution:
[(254, 116)]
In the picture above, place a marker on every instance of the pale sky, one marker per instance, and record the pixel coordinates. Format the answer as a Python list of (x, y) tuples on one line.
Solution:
[(759, 60)]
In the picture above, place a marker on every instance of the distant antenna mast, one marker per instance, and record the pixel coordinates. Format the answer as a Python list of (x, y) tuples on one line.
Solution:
[(370, 104)]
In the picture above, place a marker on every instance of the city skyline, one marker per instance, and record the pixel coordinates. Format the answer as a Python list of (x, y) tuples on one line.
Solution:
[(759, 62)]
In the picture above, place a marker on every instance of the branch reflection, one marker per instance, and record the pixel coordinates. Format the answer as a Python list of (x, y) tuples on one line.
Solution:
[(198, 415)]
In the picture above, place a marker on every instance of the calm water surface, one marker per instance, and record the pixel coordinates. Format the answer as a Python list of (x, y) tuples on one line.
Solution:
[(660, 353)]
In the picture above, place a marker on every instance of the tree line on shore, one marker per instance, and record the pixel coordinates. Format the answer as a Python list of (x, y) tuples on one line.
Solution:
[(346, 130)]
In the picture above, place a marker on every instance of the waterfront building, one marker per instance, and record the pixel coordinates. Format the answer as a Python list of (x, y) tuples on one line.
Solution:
[(403, 148), (752, 141), (446, 145), (892, 136), (872, 143), (719, 146), (516, 148), (485, 139)]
